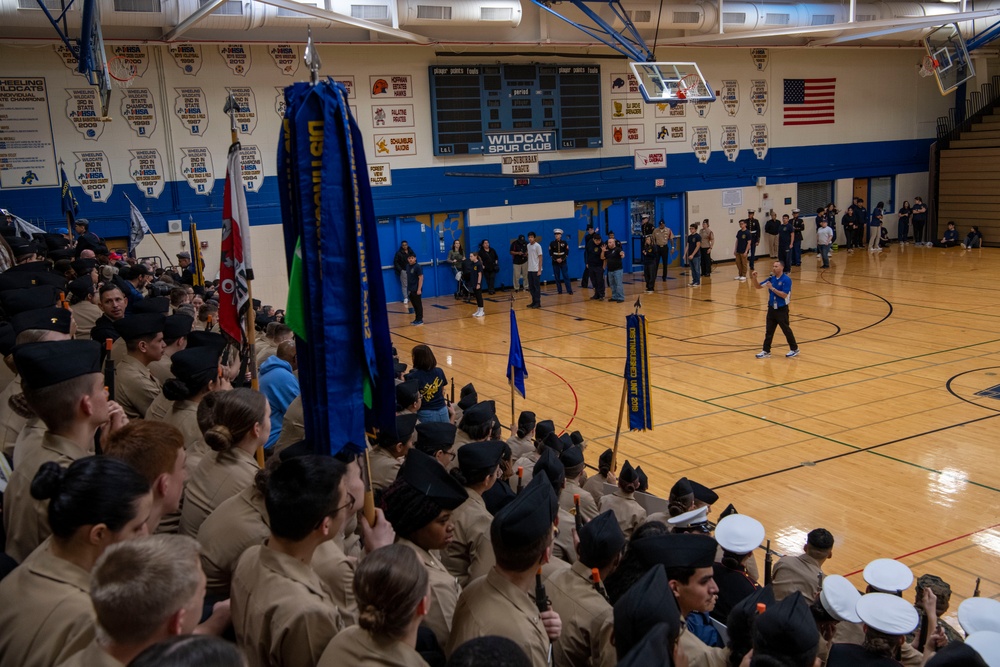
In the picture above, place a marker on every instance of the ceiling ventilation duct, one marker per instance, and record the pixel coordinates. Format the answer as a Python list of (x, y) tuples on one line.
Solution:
[(460, 12)]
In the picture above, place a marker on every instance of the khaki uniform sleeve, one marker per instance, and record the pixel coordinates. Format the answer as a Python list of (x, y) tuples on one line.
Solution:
[(483, 559), (305, 638), (603, 650)]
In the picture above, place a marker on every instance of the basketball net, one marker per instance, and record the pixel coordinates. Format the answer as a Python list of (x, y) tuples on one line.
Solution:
[(927, 66)]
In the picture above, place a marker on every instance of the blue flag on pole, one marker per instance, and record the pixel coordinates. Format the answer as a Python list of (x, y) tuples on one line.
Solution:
[(640, 409), (69, 206), (516, 370)]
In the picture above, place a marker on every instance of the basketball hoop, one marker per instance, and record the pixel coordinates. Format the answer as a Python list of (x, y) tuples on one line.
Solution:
[(122, 71), (927, 66), (685, 84)]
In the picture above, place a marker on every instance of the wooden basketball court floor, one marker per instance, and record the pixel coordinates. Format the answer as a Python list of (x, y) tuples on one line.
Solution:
[(877, 431)]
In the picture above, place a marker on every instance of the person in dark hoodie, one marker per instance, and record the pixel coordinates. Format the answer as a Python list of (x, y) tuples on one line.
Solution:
[(280, 385)]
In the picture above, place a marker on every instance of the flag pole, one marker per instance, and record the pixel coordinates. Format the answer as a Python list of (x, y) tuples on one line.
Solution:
[(251, 338), (166, 257), (621, 408), (69, 211), (513, 420)]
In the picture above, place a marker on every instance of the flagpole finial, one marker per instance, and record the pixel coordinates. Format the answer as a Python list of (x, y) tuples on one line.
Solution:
[(311, 57), (638, 304)]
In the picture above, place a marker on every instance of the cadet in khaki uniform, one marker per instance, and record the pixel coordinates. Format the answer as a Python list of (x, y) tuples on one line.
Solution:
[(293, 426), (386, 458), (283, 614), (469, 555), (562, 545), (476, 425), (236, 525), (838, 601), (135, 386), (64, 385), (544, 431), (241, 423), (500, 603), (786, 633), (176, 328), (887, 620), (688, 559), (437, 439), (803, 572), (522, 436), (196, 373), (419, 506), (392, 596), (47, 614), (85, 310), (629, 512), (595, 483), (572, 459), (580, 598), (159, 572)]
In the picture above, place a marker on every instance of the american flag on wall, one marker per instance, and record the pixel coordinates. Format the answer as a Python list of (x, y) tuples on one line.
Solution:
[(809, 101)]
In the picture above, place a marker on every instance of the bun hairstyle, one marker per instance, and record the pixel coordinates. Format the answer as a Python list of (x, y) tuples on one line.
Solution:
[(92, 490), (389, 585), (233, 415)]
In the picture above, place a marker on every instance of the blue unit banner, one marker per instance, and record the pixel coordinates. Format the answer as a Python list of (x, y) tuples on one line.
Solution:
[(640, 409)]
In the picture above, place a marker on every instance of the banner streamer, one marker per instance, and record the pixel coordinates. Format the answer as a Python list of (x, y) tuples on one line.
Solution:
[(335, 279), (640, 409)]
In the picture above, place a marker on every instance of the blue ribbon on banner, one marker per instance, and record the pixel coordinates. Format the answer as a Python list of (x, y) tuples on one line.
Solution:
[(640, 409), (346, 368)]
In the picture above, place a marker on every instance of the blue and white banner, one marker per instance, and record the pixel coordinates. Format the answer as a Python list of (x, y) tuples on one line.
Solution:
[(640, 409)]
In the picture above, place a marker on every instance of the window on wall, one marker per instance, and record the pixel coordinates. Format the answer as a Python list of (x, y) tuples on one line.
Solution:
[(811, 196), (882, 188)]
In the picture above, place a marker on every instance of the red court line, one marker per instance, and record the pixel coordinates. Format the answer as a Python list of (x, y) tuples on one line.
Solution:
[(933, 546), (576, 400)]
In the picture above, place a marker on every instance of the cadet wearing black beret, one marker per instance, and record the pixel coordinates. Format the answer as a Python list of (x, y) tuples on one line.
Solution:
[(469, 554), (419, 506), (135, 386), (648, 603), (499, 603)]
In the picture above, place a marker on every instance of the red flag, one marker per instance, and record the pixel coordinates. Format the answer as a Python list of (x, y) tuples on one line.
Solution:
[(234, 298)]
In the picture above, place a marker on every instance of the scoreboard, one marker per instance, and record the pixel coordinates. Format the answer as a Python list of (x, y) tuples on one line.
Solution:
[(503, 109)]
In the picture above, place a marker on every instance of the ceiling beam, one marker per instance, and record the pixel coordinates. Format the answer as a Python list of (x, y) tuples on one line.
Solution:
[(192, 20), (841, 32), (327, 15)]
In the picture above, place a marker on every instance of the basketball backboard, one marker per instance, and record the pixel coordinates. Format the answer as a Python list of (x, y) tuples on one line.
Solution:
[(89, 48), (949, 57), (672, 82)]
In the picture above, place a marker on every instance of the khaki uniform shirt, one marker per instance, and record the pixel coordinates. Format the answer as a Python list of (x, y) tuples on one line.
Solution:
[(700, 654), (85, 314), (92, 656), (519, 446), (219, 476), (661, 235), (527, 465), (160, 406), (492, 605), (562, 545), (336, 569), (595, 486), (588, 506), (282, 613), (293, 426), (265, 349), (6, 376), (11, 423), (587, 619), (628, 511), (470, 553), (183, 415), (46, 615), (796, 573), (384, 467), (444, 593), (849, 633), (161, 370), (236, 525), (30, 440), (355, 647), (135, 387), (26, 518)]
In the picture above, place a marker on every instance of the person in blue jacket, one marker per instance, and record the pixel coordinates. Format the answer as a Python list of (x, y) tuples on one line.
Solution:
[(779, 287), (279, 385)]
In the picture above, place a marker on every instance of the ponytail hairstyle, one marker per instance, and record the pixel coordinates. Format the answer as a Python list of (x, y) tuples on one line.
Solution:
[(91, 491), (389, 585), (233, 415)]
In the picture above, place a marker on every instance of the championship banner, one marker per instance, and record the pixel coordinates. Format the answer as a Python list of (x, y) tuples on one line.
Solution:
[(335, 279), (640, 409)]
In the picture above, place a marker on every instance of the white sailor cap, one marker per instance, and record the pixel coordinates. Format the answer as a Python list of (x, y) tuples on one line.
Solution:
[(557, 231), (887, 613), (692, 518), (840, 598), (987, 645), (795, 210), (888, 575), (644, 215), (978, 614), (739, 533)]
